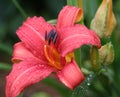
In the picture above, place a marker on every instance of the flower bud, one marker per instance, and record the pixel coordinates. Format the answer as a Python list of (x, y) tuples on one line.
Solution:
[(95, 61), (104, 21), (106, 54)]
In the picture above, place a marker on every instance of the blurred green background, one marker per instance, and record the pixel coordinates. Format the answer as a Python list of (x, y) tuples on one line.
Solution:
[(11, 18)]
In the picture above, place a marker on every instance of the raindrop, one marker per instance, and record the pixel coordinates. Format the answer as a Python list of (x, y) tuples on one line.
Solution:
[(13, 88), (88, 84), (82, 28), (19, 67), (88, 79), (81, 90), (90, 75), (18, 83)]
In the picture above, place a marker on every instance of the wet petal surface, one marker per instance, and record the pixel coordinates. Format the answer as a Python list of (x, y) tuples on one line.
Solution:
[(32, 34), (68, 16), (24, 74), (71, 75), (73, 37)]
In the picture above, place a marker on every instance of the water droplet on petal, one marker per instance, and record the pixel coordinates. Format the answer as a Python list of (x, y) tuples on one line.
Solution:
[(82, 28), (14, 88), (19, 67)]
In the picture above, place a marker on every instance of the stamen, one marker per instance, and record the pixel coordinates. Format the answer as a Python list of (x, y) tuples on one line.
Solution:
[(52, 36), (52, 56), (46, 36), (49, 41), (53, 33)]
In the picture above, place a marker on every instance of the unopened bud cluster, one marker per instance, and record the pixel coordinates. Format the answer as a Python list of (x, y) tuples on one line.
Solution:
[(103, 24)]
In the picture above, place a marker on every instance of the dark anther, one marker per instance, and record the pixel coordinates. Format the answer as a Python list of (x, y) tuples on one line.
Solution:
[(52, 36), (45, 36)]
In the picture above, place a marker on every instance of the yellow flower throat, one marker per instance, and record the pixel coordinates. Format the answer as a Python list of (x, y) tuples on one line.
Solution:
[(51, 53)]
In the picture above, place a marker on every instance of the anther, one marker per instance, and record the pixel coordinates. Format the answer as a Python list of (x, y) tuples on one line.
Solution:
[(46, 36), (52, 36)]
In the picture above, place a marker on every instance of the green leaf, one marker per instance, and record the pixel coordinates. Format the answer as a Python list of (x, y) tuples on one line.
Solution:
[(41, 94), (17, 5), (72, 2), (57, 86), (5, 66), (78, 56), (82, 89), (6, 48)]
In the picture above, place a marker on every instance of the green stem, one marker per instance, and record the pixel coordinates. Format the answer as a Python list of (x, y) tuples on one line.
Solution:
[(78, 56), (5, 66), (20, 8), (72, 2)]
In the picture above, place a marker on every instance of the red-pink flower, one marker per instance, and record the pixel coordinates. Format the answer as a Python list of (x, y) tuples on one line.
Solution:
[(45, 48)]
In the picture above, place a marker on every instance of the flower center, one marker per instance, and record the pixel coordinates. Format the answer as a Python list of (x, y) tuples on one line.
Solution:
[(50, 51)]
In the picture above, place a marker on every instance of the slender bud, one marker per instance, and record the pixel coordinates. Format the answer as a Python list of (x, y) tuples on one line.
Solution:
[(106, 54), (104, 21), (95, 62)]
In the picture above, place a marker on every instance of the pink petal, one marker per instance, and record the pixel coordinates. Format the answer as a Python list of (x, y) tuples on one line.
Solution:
[(73, 37), (71, 75), (68, 15), (32, 34), (21, 53), (24, 74)]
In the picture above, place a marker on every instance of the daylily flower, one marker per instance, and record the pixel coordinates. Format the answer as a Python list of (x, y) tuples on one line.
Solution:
[(45, 48)]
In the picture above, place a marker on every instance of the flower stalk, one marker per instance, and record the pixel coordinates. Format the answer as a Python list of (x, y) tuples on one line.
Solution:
[(23, 13)]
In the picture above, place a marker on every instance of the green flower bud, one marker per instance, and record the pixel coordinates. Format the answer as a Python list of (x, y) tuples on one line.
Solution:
[(95, 61), (106, 54), (104, 21)]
